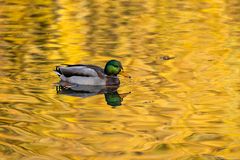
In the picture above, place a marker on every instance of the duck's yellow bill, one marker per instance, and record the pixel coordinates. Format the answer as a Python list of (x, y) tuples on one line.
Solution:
[(125, 74), (124, 94)]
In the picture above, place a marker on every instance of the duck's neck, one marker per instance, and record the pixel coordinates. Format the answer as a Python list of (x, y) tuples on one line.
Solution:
[(112, 81)]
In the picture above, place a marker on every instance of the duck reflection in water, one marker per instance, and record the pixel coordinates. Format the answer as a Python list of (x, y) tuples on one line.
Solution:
[(112, 97)]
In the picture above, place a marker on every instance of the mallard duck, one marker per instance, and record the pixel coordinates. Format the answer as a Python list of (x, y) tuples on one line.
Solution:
[(90, 74)]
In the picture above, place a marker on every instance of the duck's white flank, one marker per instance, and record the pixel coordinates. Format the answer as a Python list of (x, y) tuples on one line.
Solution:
[(84, 80)]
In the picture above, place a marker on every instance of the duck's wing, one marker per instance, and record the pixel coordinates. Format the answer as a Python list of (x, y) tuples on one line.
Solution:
[(80, 70)]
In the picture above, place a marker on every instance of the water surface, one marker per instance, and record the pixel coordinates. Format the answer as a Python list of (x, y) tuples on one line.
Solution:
[(185, 108)]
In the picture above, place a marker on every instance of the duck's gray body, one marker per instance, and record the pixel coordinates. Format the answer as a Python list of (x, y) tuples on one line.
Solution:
[(85, 75)]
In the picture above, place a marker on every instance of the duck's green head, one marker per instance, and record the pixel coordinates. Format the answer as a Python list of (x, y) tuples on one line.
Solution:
[(113, 67)]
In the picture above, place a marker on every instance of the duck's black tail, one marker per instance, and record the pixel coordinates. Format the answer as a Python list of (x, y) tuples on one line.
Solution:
[(58, 71)]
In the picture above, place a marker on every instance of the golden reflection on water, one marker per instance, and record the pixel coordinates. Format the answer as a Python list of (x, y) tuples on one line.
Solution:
[(186, 108)]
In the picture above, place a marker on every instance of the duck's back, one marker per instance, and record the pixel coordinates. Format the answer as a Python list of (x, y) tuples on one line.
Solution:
[(82, 74)]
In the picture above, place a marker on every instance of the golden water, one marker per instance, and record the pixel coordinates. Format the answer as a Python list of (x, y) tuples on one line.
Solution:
[(186, 108)]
